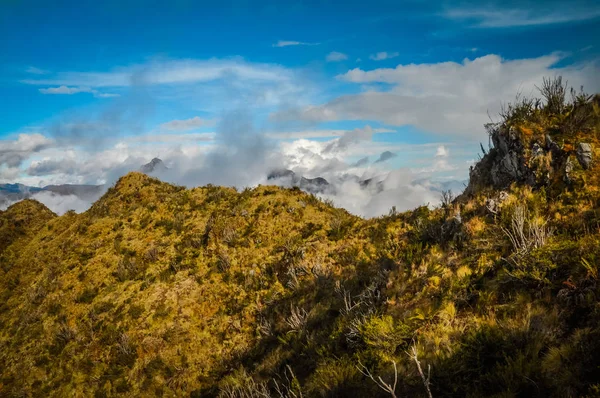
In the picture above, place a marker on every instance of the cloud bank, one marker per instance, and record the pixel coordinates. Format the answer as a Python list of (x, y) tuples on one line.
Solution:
[(442, 98)]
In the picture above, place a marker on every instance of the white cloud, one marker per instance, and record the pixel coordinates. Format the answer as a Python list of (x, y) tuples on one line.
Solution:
[(14, 152), (383, 55), (171, 138), (286, 43), (36, 71), (9, 174), (209, 86), (65, 90), (442, 151), (52, 166), (288, 135), (336, 56), (187, 124), (545, 15), (447, 97), (60, 204), (168, 72), (238, 156), (404, 188)]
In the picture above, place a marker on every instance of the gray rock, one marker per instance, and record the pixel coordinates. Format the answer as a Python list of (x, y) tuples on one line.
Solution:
[(584, 155), (491, 205), (500, 142), (568, 170), (458, 218), (507, 170), (537, 150), (549, 141), (502, 196)]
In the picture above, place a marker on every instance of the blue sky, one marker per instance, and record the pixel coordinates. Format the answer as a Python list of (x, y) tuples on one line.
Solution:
[(126, 80)]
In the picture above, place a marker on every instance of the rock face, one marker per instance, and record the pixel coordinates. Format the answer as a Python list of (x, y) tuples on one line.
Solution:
[(584, 155), (525, 159)]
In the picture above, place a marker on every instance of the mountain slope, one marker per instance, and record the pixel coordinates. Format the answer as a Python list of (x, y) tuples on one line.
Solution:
[(161, 291)]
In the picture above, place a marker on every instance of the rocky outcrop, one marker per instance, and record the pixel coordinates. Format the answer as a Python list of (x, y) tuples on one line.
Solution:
[(522, 158)]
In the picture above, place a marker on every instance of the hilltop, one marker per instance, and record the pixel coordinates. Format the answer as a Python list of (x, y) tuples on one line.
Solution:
[(158, 290)]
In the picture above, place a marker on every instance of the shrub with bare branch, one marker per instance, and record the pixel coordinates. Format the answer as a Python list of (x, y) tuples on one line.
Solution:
[(249, 389), (288, 386), (297, 319), (390, 388), (446, 199), (526, 233), (244, 386), (426, 380)]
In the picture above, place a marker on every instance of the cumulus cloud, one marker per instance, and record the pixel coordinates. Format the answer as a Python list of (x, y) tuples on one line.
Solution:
[(349, 138), (358, 187), (441, 151), (211, 86), (14, 152), (60, 204), (400, 188), (447, 97), (383, 55), (52, 166), (8, 174), (187, 124), (336, 56), (240, 155)]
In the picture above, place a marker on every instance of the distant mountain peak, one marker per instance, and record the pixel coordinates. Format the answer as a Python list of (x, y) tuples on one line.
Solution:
[(155, 165), (312, 185)]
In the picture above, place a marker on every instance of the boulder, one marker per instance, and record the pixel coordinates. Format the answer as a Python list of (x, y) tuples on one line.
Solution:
[(584, 155)]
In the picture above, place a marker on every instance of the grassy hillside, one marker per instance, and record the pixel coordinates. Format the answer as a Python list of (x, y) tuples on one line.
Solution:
[(159, 290)]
